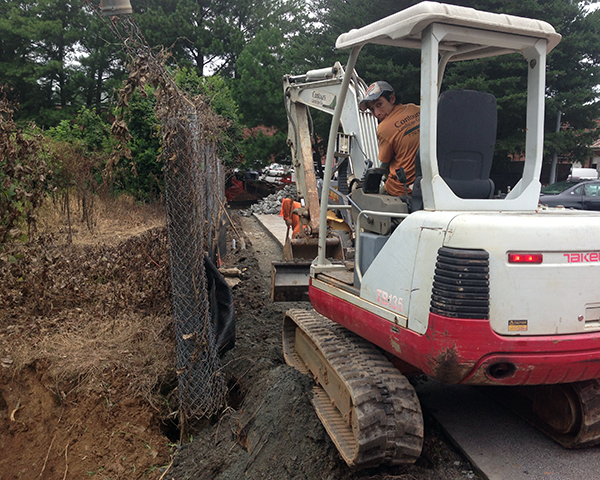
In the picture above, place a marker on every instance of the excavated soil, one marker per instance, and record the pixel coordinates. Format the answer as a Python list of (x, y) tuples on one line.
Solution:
[(87, 384)]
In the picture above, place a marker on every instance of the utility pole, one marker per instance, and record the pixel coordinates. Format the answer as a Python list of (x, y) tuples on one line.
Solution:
[(555, 153)]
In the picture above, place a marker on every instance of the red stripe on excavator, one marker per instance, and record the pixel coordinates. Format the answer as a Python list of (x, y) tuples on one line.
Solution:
[(459, 350)]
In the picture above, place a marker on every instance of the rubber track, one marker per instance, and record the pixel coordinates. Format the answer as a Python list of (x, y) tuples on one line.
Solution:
[(588, 434), (388, 427)]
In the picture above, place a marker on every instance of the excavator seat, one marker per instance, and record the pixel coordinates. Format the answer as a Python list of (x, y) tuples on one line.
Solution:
[(466, 137)]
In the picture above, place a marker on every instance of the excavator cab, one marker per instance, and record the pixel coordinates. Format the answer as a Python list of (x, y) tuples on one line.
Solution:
[(443, 33), (467, 123), (458, 128)]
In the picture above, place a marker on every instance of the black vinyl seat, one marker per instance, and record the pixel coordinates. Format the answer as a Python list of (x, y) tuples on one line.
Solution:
[(466, 136)]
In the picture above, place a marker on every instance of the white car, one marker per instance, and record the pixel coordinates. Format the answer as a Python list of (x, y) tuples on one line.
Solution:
[(275, 170)]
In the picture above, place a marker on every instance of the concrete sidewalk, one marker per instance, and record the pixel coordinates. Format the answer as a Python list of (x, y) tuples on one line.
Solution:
[(275, 225)]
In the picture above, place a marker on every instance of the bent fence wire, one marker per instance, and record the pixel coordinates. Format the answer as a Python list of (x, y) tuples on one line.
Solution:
[(194, 184)]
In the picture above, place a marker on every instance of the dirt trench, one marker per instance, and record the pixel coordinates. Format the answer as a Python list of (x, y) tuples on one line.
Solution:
[(274, 433), (87, 384)]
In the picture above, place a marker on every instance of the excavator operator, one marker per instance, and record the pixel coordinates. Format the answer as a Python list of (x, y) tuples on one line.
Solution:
[(397, 134)]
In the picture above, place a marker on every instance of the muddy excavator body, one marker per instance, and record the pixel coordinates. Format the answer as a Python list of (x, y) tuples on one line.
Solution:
[(456, 282)]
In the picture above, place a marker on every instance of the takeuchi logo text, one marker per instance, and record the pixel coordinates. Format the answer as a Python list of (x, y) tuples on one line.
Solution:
[(588, 257)]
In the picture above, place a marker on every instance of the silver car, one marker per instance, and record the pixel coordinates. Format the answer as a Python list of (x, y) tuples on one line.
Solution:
[(581, 195)]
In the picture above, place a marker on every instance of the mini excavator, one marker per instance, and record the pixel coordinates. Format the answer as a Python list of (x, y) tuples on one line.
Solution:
[(453, 282)]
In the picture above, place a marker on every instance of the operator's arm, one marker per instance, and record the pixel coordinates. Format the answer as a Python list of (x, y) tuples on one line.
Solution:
[(386, 150)]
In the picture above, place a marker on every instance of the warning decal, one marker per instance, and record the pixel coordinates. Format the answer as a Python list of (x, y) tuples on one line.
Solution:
[(517, 325)]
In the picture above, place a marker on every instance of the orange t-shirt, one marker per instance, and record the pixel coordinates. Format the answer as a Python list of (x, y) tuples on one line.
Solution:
[(398, 136)]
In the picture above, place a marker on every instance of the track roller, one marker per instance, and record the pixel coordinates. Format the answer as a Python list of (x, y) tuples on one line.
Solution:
[(369, 409)]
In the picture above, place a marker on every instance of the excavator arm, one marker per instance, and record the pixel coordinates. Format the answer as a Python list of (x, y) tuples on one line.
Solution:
[(357, 138), (356, 147)]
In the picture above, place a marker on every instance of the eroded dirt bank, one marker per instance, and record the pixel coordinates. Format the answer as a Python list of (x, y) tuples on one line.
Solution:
[(86, 350)]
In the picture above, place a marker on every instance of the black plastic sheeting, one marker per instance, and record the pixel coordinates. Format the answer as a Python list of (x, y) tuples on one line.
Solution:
[(222, 309)]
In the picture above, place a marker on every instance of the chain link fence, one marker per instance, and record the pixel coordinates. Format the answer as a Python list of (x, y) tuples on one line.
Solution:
[(194, 186), (195, 192)]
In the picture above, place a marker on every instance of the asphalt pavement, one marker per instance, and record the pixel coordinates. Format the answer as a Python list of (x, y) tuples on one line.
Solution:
[(497, 442)]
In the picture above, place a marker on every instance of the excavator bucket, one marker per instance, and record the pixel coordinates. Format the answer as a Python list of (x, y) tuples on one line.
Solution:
[(289, 280), (308, 248)]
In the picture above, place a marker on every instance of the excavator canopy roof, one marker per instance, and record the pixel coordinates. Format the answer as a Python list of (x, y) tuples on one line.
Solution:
[(405, 29)]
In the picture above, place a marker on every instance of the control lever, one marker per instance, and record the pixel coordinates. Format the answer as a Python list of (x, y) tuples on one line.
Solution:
[(401, 176), (360, 183)]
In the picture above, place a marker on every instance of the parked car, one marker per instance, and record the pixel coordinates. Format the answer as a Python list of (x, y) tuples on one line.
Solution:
[(275, 170), (581, 195)]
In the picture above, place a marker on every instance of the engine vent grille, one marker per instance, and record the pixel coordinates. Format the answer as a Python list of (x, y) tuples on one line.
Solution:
[(461, 286)]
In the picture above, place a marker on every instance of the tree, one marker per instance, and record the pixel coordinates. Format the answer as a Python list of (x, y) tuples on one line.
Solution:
[(259, 93), (49, 30), (208, 35), (17, 64), (56, 57), (259, 90), (573, 68), (398, 66), (87, 129), (101, 64), (574, 72), (217, 93), (142, 175), (260, 149)]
